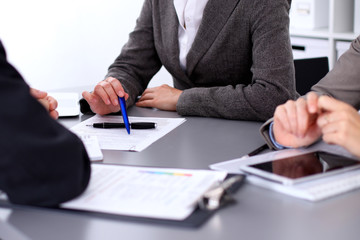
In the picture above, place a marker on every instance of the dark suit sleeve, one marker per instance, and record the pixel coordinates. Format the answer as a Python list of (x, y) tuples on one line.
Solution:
[(41, 162)]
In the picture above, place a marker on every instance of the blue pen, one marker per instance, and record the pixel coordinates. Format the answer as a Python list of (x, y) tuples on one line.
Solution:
[(124, 113)]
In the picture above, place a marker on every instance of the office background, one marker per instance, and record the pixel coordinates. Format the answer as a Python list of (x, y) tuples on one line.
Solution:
[(71, 43), (68, 43), (63, 44)]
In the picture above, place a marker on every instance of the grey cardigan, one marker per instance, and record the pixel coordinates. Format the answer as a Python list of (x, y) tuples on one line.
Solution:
[(342, 82), (240, 65)]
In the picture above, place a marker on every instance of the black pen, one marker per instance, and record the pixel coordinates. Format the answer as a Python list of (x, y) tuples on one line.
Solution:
[(135, 125), (258, 150)]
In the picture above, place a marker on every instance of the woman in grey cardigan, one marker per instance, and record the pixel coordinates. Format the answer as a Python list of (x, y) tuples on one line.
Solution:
[(229, 59)]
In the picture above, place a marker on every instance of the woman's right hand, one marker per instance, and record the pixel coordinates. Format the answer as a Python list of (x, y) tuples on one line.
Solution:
[(104, 99)]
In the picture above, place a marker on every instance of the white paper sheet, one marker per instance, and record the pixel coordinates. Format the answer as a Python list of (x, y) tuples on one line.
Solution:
[(119, 139), (92, 147), (145, 192)]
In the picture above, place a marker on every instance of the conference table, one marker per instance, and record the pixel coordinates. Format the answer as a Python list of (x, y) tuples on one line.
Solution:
[(258, 213)]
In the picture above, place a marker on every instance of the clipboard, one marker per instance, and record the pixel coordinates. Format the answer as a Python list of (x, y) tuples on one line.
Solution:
[(197, 218)]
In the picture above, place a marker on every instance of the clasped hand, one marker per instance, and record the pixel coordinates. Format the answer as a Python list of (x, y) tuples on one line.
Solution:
[(48, 102), (302, 122)]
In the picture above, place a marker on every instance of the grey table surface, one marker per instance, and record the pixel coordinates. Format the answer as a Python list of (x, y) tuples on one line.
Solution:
[(257, 214)]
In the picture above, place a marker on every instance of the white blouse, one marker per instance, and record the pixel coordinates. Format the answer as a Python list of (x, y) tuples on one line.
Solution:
[(190, 14)]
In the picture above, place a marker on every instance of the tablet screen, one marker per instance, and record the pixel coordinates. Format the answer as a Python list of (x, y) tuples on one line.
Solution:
[(310, 164)]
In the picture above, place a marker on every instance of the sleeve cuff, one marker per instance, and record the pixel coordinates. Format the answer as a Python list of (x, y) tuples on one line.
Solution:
[(272, 138)]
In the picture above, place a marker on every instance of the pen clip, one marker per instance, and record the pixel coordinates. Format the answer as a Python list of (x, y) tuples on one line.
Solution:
[(221, 194)]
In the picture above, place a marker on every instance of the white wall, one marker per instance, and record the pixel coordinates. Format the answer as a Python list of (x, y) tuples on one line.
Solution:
[(68, 43)]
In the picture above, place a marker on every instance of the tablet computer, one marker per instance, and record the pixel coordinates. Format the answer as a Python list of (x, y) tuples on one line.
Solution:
[(300, 168)]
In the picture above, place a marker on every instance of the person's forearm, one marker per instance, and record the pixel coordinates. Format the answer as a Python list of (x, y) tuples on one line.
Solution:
[(342, 82), (241, 102)]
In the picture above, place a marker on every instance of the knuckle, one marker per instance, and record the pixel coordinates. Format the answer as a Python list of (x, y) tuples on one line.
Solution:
[(98, 87), (106, 84), (164, 86), (278, 109), (111, 81), (289, 102), (300, 101)]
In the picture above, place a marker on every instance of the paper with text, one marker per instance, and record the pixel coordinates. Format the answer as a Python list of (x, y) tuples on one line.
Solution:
[(161, 193), (119, 139)]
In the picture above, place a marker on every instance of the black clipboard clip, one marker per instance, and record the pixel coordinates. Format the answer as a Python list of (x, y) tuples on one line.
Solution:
[(221, 194)]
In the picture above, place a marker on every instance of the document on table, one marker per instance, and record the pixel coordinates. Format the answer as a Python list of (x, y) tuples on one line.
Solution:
[(161, 193), (119, 139)]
